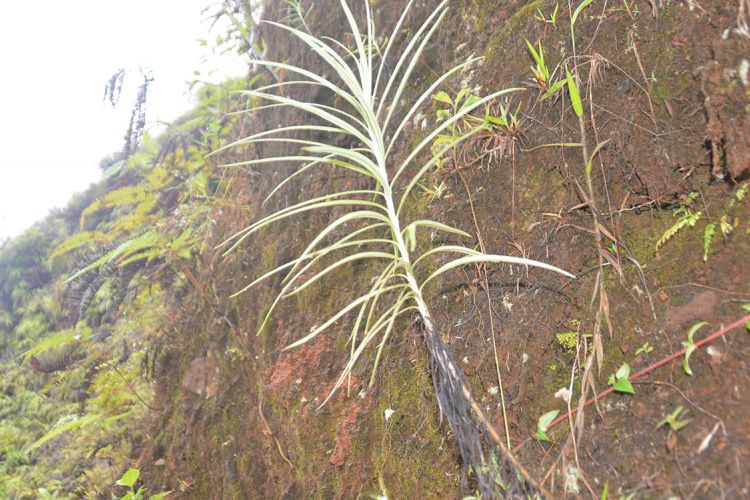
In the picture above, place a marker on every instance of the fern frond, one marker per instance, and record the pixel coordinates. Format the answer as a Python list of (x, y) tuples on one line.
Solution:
[(65, 424), (123, 251), (127, 224), (708, 237), (60, 338), (149, 254), (78, 240), (127, 195), (688, 220), (158, 177)]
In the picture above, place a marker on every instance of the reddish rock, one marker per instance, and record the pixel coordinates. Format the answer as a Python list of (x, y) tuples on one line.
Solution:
[(697, 309)]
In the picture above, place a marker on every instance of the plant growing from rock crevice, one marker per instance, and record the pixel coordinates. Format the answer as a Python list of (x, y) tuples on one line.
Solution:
[(375, 116)]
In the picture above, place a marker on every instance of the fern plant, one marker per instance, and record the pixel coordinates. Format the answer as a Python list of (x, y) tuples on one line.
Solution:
[(687, 217), (378, 231)]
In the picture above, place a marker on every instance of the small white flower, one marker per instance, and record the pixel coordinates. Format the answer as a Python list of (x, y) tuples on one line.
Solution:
[(493, 390), (563, 394), (389, 413), (507, 304)]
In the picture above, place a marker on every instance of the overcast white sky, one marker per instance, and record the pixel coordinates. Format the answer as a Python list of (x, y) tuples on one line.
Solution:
[(55, 59)]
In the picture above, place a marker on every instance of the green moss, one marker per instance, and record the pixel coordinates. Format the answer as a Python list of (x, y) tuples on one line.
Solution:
[(497, 46), (411, 439)]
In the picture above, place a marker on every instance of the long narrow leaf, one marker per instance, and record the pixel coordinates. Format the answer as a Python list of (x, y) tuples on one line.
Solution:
[(346, 219), (412, 64), (505, 259), (389, 44), (439, 129), (319, 202), (339, 263), (437, 225), (446, 249), (429, 164), (384, 97), (341, 313), (427, 94)]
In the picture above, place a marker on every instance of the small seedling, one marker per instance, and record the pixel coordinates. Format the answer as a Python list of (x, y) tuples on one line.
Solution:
[(435, 192), (573, 92), (500, 126), (567, 340), (645, 348), (297, 16), (552, 19), (498, 481), (631, 9), (128, 480), (543, 423), (575, 96), (619, 380), (540, 71), (690, 346), (505, 119), (746, 308), (673, 420), (463, 100)]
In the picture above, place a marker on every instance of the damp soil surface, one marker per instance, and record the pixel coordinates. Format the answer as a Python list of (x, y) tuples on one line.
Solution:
[(665, 93)]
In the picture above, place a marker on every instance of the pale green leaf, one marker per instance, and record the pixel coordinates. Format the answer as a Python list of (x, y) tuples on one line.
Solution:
[(489, 258), (129, 478), (543, 423)]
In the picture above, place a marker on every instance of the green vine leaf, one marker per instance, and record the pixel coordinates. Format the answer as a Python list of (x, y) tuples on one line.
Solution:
[(619, 380), (543, 423)]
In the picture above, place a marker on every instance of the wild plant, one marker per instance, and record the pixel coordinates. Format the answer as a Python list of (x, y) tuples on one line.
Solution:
[(688, 215), (375, 114), (540, 71), (552, 19), (500, 130), (297, 15)]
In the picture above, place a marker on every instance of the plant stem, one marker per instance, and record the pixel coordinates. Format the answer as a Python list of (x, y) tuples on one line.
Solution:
[(654, 366)]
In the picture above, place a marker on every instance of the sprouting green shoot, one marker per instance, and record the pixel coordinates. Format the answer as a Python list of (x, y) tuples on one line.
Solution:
[(645, 348), (540, 71), (673, 420), (689, 345), (552, 19)]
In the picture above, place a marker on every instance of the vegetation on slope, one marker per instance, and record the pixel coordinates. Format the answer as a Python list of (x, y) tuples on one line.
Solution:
[(84, 302)]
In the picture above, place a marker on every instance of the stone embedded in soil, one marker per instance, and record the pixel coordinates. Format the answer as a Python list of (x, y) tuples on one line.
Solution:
[(202, 377), (698, 308)]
